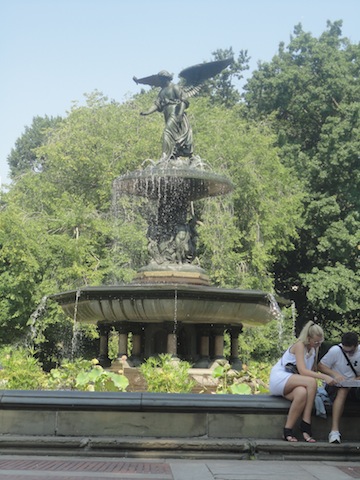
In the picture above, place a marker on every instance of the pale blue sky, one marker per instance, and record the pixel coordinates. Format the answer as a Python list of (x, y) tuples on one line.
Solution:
[(54, 51)]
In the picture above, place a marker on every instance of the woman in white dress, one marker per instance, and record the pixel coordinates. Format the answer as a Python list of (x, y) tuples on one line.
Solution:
[(300, 388)]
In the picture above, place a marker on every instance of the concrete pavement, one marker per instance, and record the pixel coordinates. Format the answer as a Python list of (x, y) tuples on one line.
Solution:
[(26, 467)]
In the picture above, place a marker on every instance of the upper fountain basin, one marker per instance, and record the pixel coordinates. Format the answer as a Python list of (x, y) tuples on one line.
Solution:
[(156, 182)]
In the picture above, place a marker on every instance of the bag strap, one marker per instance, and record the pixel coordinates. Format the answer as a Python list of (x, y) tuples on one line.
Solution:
[(347, 358)]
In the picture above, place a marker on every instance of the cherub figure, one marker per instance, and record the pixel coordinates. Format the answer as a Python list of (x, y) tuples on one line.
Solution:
[(172, 101)]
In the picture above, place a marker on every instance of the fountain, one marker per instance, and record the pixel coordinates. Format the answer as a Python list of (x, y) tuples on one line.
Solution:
[(171, 307)]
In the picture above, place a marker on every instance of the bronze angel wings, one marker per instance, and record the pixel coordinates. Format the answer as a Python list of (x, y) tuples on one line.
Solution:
[(193, 76)]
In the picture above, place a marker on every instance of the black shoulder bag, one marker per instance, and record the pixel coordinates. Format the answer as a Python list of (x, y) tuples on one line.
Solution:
[(290, 367)]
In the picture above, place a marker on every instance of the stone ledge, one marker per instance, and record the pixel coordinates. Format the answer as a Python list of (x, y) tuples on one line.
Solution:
[(134, 447), (54, 400), (146, 402), (281, 450)]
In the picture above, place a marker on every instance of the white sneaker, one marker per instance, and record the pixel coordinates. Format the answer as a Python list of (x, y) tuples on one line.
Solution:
[(334, 437)]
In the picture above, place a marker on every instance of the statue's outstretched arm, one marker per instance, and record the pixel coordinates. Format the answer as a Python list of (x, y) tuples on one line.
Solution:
[(151, 110)]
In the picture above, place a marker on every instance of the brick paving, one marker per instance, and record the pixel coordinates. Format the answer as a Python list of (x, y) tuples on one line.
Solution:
[(354, 472), (87, 469), (22, 467)]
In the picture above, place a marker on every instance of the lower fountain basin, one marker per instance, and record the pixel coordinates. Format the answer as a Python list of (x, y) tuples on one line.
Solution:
[(156, 303)]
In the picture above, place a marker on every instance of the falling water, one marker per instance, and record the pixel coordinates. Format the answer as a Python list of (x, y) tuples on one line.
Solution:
[(293, 314), (274, 307), (280, 326), (278, 315), (33, 320), (175, 311), (76, 330)]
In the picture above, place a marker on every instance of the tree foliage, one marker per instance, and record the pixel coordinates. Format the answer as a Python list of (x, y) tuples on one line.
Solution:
[(310, 93), (63, 227), (243, 234), (23, 156), (222, 89)]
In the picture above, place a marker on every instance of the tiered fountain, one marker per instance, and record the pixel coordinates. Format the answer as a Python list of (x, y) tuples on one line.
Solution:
[(170, 307)]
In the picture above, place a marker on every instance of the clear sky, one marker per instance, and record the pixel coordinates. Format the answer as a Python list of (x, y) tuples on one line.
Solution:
[(52, 52)]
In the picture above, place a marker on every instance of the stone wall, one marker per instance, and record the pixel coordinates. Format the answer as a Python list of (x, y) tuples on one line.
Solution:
[(76, 414)]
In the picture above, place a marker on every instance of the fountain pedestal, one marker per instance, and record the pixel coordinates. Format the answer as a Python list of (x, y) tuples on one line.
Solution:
[(173, 274)]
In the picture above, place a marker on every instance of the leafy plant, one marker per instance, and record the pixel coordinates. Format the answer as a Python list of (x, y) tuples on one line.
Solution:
[(21, 370), (64, 377), (99, 380), (245, 382), (164, 374)]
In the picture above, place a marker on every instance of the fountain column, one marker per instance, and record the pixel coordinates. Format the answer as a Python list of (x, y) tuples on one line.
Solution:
[(104, 330), (123, 331), (236, 363), (204, 346), (136, 355), (219, 344), (218, 332), (171, 345)]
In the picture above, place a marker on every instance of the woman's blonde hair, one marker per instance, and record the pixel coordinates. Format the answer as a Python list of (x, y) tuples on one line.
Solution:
[(310, 329)]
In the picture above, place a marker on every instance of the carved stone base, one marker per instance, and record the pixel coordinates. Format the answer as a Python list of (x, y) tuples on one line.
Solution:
[(172, 276)]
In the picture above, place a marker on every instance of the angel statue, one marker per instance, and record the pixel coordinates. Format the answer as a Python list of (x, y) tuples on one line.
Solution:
[(172, 100)]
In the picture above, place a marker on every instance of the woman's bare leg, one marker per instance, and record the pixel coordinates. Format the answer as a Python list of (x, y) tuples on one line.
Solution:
[(301, 391), (298, 401)]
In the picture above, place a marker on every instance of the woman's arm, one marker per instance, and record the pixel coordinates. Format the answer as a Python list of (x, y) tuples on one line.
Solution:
[(299, 351)]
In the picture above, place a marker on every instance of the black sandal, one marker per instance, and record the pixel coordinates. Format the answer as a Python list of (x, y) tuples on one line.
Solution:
[(306, 430), (289, 435)]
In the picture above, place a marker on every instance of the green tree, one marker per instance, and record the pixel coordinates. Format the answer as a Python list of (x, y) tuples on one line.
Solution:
[(241, 235), (222, 89), (310, 93), (58, 228), (23, 156)]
